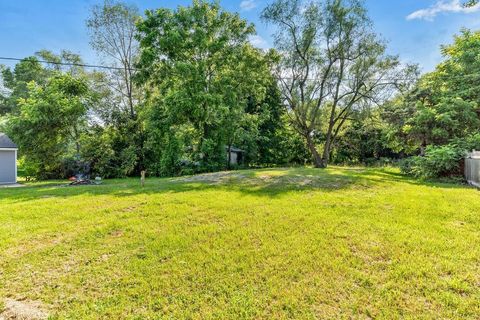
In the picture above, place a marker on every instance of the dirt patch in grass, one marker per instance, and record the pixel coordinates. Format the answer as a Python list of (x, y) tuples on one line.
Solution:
[(266, 179), (34, 244), (23, 310), (298, 181), (116, 233), (216, 177)]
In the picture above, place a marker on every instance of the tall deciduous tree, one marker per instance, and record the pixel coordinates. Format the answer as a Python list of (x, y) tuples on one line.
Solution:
[(332, 63), (16, 81), (49, 122), (199, 68), (112, 27), (445, 104)]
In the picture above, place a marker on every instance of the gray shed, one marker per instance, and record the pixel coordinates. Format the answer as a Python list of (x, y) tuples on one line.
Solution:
[(235, 155), (8, 160)]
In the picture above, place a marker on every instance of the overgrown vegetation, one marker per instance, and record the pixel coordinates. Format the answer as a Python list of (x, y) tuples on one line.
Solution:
[(186, 85)]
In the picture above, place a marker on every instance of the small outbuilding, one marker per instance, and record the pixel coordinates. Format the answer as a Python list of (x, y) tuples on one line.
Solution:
[(8, 160), (234, 155)]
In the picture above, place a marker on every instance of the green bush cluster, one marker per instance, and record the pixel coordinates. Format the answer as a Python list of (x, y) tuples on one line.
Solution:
[(441, 161)]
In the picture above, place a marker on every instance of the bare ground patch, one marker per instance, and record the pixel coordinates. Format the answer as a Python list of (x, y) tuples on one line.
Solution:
[(216, 177), (23, 310), (269, 180)]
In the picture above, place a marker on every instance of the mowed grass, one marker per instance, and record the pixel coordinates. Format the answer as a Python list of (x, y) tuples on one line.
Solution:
[(297, 243)]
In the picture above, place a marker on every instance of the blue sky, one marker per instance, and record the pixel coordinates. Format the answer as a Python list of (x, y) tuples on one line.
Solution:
[(414, 29)]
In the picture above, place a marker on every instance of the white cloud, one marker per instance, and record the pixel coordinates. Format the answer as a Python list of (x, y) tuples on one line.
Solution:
[(259, 42), (247, 5), (442, 6)]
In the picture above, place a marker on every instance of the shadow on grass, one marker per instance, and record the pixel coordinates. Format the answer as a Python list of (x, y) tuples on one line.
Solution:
[(265, 182)]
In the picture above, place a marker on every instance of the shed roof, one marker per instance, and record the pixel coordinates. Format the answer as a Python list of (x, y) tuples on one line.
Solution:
[(233, 149), (6, 143)]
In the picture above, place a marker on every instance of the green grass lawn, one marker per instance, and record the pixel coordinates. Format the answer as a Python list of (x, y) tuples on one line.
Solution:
[(267, 244)]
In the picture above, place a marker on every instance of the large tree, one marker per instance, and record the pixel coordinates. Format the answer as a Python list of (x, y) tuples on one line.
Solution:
[(332, 64), (16, 81), (112, 27), (199, 70), (47, 126), (445, 103)]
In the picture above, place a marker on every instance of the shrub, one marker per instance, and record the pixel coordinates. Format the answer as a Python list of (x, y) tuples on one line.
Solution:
[(27, 169), (441, 161), (407, 165)]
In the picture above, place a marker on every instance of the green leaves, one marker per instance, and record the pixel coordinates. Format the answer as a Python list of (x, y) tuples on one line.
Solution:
[(48, 121), (199, 69), (445, 104), (332, 65)]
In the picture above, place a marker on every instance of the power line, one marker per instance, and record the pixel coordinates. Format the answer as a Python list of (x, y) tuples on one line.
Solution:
[(71, 64)]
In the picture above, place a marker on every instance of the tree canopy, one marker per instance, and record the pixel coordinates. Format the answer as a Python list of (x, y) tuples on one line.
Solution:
[(199, 71), (48, 120), (181, 88), (332, 65)]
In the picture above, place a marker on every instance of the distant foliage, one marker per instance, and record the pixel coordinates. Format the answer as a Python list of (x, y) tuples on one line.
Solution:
[(186, 85), (441, 161), (436, 120), (207, 91), (16, 82)]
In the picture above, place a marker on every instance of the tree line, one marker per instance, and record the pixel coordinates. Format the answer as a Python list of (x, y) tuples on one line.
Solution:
[(184, 86)]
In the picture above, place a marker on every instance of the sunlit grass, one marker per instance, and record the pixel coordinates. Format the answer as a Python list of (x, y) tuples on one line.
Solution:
[(297, 243)]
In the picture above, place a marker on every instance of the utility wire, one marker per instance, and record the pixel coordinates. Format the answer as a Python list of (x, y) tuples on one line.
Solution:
[(283, 78), (71, 64)]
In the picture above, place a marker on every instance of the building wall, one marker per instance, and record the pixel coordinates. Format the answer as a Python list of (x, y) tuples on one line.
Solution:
[(233, 158), (8, 166)]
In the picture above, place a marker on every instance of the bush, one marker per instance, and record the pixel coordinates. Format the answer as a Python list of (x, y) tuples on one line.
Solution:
[(97, 151), (441, 161), (27, 169), (127, 159), (407, 165), (438, 162)]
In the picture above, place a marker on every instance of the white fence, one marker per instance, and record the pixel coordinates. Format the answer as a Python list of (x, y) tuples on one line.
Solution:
[(472, 168)]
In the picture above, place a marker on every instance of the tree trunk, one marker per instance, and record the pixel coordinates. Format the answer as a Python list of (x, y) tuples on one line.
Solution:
[(325, 158), (326, 153), (328, 140), (423, 147), (130, 100), (229, 158), (317, 160)]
